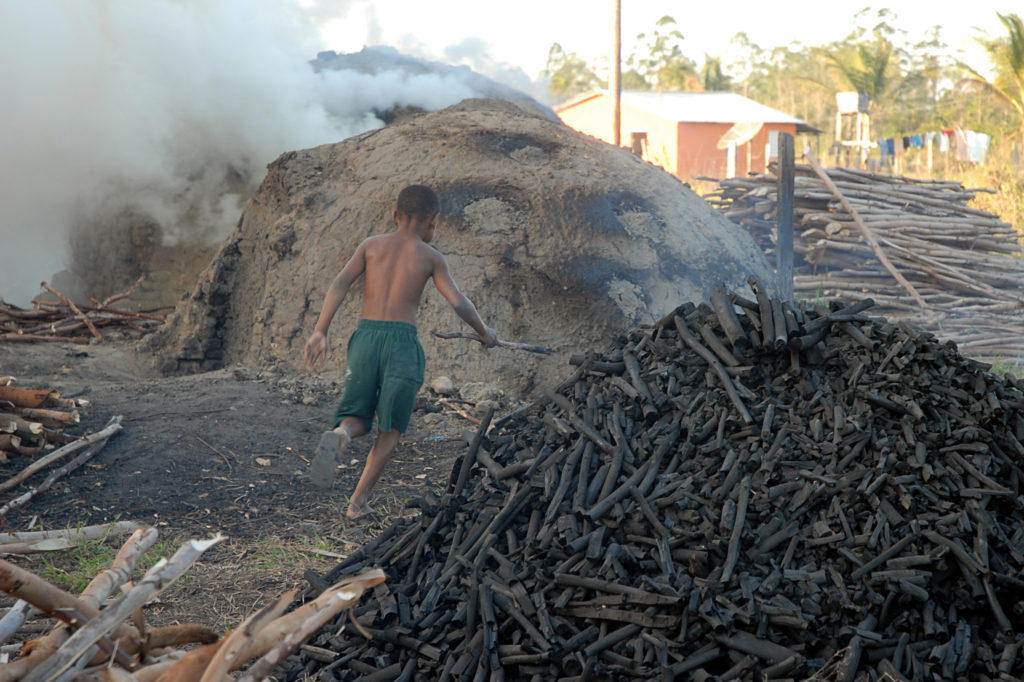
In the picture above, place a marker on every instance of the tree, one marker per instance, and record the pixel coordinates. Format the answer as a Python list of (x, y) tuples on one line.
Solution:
[(866, 67), (923, 99), (567, 74), (789, 78), (1007, 57), (869, 60), (633, 80), (662, 64), (712, 75)]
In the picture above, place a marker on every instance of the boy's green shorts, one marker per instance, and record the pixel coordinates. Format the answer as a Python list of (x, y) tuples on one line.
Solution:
[(385, 371)]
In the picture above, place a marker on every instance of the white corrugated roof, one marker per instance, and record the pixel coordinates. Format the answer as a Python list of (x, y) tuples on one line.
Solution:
[(704, 107)]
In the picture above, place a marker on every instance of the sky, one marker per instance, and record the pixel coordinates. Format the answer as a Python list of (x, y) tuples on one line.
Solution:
[(522, 32), (174, 108)]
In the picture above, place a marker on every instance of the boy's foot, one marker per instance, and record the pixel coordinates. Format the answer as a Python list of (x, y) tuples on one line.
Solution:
[(360, 512), (323, 467)]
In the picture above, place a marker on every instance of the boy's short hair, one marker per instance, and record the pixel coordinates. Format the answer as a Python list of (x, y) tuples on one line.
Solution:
[(418, 202)]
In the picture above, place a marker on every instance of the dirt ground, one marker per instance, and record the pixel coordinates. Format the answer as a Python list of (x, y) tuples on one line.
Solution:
[(221, 452)]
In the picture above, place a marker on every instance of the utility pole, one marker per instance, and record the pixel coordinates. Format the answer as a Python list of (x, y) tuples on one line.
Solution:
[(616, 84)]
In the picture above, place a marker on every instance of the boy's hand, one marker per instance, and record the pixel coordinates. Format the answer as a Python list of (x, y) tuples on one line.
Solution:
[(316, 348), (490, 339)]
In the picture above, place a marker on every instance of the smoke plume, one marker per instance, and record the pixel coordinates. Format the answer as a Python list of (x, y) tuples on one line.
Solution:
[(170, 110)]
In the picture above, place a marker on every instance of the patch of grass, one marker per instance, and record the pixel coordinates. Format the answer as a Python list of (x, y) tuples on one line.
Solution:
[(1003, 366), (1001, 173), (73, 569), (276, 554)]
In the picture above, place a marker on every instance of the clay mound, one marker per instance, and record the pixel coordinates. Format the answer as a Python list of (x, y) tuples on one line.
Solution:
[(559, 239)]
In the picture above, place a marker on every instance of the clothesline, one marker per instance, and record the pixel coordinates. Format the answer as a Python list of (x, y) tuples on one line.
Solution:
[(970, 145)]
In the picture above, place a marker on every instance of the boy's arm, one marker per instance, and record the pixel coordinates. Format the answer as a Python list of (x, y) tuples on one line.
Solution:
[(464, 308), (316, 346)]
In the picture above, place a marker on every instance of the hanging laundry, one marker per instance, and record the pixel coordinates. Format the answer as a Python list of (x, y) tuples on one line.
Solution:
[(944, 138), (915, 141), (928, 137), (962, 145), (906, 142), (978, 147)]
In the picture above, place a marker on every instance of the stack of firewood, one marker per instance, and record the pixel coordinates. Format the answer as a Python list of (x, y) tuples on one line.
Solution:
[(966, 263), (95, 640), (30, 419), (744, 491), (64, 320), (33, 423)]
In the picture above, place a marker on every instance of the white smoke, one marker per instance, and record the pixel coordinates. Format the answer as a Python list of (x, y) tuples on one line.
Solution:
[(173, 107)]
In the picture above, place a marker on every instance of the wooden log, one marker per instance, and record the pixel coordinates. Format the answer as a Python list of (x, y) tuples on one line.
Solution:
[(62, 471), (764, 307), (733, 553), (584, 428), (338, 600), (21, 426), (779, 324), (72, 535), (715, 345), (784, 218), (43, 462), (51, 418), (746, 643), (243, 637), (156, 580), (514, 345), (727, 383), (121, 569), (191, 665), (77, 311), (727, 317), (470, 458), (25, 397), (622, 616), (45, 597)]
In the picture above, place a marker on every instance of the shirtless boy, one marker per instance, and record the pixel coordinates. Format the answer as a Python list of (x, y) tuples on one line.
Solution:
[(385, 359)]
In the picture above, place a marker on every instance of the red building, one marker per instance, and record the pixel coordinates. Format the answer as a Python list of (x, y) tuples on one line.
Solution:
[(689, 134)]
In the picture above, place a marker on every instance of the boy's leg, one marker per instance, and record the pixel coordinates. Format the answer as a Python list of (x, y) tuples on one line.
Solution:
[(401, 377), (354, 414), (350, 428), (379, 456), (329, 451)]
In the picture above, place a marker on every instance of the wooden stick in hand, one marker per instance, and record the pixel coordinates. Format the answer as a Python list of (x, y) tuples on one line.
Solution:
[(543, 350)]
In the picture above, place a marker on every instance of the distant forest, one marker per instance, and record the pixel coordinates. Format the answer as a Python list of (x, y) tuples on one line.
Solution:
[(914, 86)]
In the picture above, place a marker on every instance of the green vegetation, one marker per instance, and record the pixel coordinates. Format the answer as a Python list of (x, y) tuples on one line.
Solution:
[(275, 554), (1007, 57), (915, 86), (1001, 367), (73, 569), (661, 64), (568, 74)]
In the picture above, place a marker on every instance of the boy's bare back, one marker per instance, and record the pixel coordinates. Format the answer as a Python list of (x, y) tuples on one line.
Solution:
[(397, 268)]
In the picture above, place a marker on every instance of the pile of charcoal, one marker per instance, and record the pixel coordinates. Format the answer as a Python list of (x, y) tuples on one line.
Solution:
[(746, 490)]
